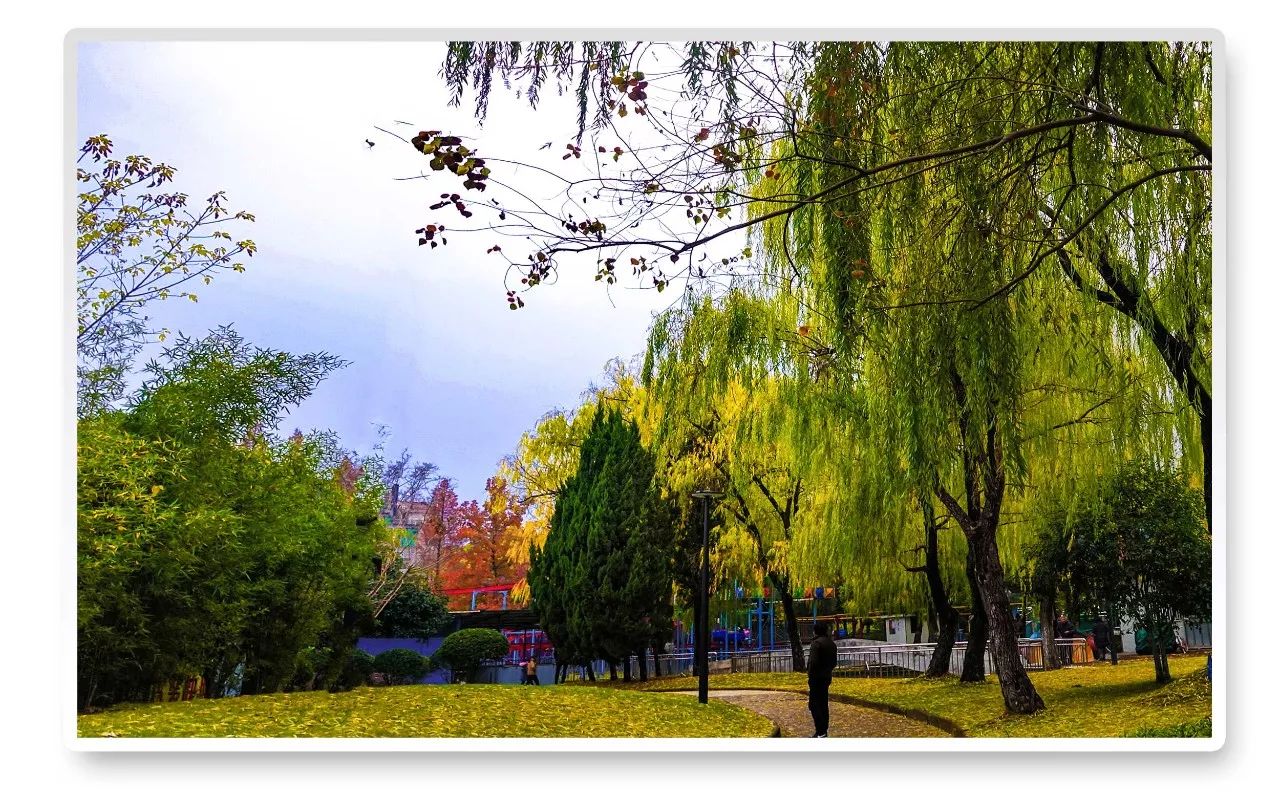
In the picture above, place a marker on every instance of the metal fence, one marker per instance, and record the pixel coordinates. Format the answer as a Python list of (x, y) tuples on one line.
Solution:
[(853, 659), (872, 660)]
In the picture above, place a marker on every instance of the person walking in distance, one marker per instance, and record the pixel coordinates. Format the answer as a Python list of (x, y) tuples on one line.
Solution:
[(822, 662), (531, 671)]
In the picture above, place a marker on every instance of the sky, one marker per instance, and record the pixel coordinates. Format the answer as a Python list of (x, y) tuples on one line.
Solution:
[(436, 356)]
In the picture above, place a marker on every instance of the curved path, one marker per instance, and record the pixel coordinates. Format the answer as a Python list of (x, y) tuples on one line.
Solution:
[(790, 711)]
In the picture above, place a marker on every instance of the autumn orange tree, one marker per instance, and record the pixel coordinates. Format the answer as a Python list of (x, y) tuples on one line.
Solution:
[(482, 541), (438, 538)]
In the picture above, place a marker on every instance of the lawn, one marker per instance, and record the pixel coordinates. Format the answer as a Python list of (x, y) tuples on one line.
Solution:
[(1095, 700), (435, 711)]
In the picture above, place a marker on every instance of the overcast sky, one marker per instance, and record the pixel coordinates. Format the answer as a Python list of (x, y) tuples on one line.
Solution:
[(436, 355)]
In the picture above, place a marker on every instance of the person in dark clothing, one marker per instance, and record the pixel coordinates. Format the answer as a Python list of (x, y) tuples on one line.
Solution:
[(1101, 638), (822, 662), (1063, 629)]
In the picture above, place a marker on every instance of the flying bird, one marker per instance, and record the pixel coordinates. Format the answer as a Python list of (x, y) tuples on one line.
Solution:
[(544, 146)]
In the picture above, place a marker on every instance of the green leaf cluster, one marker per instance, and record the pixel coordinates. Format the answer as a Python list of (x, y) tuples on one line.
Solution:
[(1144, 549), (414, 612), (208, 546), (401, 666), (465, 650)]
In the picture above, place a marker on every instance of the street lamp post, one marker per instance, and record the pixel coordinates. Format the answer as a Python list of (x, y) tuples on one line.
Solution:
[(703, 641)]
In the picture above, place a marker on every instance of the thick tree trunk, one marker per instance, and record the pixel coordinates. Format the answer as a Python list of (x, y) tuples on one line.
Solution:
[(613, 670), (974, 669), (1020, 695), (642, 665), (626, 669), (783, 586), (591, 672), (1048, 650), (940, 605), (984, 479)]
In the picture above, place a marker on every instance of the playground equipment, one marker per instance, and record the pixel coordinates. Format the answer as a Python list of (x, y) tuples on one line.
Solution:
[(756, 622), (457, 597)]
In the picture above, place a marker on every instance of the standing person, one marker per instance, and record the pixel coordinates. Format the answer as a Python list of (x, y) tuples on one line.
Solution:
[(822, 662), (1101, 637), (1063, 629), (531, 671)]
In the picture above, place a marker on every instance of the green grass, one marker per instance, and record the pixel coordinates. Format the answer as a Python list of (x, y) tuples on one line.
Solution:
[(1092, 701), (437, 711)]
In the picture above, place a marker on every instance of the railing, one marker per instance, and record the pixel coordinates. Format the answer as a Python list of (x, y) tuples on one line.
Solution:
[(852, 660), (872, 660)]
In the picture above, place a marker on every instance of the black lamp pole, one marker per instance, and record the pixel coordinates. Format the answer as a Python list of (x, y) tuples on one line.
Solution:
[(703, 642)]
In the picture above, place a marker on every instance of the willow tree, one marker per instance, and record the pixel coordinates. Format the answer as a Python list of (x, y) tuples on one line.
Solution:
[(925, 288), (751, 402), (938, 204), (1108, 142), (720, 424)]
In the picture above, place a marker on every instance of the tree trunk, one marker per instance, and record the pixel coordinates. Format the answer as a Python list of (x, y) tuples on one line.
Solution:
[(783, 586), (642, 665), (93, 690), (626, 669), (1160, 657), (1114, 642), (1048, 649), (591, 672), (974, 669), (1020, 695), (613, 670), (985, 480), (940, 605)]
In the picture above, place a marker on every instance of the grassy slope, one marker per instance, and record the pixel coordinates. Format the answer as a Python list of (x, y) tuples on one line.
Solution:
[(471, 711), (1097, 700)]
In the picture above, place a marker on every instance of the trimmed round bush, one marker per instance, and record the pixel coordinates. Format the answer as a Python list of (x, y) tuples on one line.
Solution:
[(466, 650), (401, 666)]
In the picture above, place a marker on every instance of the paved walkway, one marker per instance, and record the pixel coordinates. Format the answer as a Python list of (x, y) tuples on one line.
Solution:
[(790, 711)]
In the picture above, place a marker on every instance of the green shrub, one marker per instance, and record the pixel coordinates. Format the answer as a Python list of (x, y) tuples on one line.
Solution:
[(401, 666), (413, 613), (1200, 728), (465, 650)]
